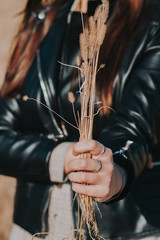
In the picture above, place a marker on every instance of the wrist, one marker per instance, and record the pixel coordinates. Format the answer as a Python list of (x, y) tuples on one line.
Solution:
[(122, 177), (120, 181), (56, 163)]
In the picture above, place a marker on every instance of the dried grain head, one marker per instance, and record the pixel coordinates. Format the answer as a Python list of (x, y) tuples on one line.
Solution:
[(102, 12), (71, 97), (97, 12), (91, 24), (105, 4), (91, 52), (100, 67), (25, 98), (83, 46), (78, 61), (84, 68), (101, 34), (92, 39)]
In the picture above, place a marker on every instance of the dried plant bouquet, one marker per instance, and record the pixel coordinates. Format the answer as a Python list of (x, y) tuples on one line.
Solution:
[(90, 42)]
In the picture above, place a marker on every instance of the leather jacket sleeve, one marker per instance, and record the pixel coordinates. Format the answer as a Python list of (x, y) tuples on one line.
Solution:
[(22, 154), (137, 114)]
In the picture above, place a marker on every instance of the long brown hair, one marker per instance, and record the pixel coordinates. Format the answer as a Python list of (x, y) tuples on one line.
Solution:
[(30, 36), (128, 19), (122, 24)]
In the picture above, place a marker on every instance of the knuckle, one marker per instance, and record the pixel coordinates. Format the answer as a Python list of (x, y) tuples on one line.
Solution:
[(84, 191), (75, 149), (84, 164), (83, 177), (70, 176), (74, 187), (93, 144), (102, 175), (105, 193), (80, 188), (110, 168), (109, 152), (109, 184)]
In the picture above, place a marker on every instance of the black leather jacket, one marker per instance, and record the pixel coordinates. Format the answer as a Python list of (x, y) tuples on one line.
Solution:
[(29, 132)]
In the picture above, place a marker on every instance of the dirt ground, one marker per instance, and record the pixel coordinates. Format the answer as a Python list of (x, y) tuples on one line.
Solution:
[(7, 191)]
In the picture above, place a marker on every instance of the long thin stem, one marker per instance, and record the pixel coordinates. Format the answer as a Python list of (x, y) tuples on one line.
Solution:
[(26, 98)]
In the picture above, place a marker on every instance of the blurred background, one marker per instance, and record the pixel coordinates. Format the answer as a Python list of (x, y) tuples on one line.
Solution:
[(7, 192), (9, 25)]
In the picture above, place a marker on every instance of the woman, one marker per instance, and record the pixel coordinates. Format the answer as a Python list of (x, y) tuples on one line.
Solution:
[(39, 149)]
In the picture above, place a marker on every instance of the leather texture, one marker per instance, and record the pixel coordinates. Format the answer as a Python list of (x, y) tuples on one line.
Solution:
[(28, 133)]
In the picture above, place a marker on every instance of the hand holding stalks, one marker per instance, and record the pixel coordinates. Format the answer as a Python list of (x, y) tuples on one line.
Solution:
[(95, 176)]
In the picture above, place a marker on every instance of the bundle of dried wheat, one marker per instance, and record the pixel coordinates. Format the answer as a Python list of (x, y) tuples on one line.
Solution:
[(90, 42)]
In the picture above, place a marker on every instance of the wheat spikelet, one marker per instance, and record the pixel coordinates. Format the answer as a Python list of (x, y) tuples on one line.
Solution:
[(102, 11), (102, 65), (105, 10), (101, 35), (71, 97), (25, 98), (78, 61), (91, 25), (84, 68), (91, 52), (92, 39), (97, 12), (84, 45)]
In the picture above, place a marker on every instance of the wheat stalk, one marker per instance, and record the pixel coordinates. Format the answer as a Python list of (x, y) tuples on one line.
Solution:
[(90, 42)]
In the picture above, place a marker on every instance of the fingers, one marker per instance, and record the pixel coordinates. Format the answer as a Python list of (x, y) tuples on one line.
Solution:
[(97, 192), (84, 165), (90, 178), (101, 177), (101, 186), (93, 147)]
